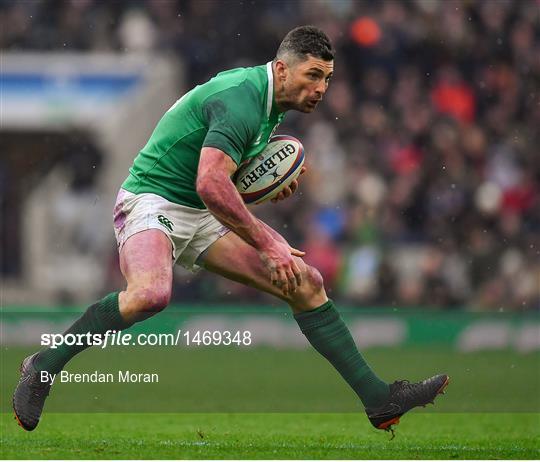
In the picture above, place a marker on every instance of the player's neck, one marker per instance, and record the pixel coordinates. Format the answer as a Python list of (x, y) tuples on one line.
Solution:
[(280, 99)]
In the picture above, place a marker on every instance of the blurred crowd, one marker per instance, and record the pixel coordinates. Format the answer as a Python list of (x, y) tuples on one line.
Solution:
[(423, 182)]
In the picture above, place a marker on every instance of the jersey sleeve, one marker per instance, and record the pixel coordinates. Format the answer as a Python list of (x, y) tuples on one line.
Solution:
[(233, 117)]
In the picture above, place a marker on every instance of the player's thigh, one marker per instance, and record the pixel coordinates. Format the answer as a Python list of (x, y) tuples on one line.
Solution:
[(233, 258), (146, 260)]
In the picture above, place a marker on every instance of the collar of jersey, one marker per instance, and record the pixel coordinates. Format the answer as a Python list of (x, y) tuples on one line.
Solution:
[(270, 92), (271, 108)]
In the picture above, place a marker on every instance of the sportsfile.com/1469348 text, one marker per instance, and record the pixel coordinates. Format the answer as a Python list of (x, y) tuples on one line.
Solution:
[(181, 338)]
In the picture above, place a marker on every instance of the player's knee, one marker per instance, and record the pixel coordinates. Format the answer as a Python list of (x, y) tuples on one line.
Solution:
[(312, 284), (314, 279), (151, 300)]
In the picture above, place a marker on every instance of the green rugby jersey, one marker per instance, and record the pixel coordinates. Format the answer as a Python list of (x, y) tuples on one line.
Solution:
[(235, 112)]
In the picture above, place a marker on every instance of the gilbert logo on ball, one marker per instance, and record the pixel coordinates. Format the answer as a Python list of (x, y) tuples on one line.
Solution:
[(264, 176)]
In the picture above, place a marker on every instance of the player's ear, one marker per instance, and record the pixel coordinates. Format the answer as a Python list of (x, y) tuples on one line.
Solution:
[(281, 70)]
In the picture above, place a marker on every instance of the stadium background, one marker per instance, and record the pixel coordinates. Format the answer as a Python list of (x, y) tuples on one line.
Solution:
[(421, 205), (423, 182)]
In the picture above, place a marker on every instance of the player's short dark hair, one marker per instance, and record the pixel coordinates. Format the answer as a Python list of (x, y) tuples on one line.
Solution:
[(306, 40)]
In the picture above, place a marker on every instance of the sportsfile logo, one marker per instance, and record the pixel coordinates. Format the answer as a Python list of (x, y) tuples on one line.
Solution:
[(263, 168), (180, 338)]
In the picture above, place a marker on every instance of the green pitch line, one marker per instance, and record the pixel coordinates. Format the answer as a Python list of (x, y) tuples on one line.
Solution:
[(272, 436)]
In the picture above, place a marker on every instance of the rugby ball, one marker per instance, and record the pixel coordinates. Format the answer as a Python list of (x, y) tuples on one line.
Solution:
[(266, 174)]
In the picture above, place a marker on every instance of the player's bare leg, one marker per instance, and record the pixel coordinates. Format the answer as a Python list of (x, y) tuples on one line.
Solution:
[(318, 319), (146, 263), (232, 258)]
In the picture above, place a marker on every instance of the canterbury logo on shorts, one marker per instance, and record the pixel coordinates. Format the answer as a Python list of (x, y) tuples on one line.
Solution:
[(165, 222)]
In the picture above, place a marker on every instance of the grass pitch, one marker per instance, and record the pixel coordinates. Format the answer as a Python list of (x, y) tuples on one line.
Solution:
[(256, 403), (272, 436)]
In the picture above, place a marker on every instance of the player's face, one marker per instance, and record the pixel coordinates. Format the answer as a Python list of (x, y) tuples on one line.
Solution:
[(305, 82)]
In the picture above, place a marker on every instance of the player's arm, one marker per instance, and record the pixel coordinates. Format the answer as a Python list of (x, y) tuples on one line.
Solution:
[(218, 192), (215, 188)]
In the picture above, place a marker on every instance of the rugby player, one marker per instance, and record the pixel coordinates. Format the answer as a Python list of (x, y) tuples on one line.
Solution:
[(179, 205)]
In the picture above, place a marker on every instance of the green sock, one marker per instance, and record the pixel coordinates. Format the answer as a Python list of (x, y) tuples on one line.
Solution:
[(97, 319), (329, 335)]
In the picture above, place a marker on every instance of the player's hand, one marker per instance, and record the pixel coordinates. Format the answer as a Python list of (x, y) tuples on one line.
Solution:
[(284, 272), (289, 190)]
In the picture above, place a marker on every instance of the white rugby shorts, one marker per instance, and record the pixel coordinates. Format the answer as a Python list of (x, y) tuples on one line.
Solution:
[(191, 231)]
